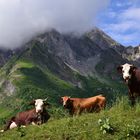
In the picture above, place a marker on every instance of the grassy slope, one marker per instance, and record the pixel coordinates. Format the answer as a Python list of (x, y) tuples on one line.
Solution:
[(124, 120), (32, 81), (37, 77)]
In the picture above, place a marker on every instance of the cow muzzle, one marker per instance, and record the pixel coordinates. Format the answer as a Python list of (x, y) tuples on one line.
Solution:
[(127, 79), (38, 110), (64, 106)]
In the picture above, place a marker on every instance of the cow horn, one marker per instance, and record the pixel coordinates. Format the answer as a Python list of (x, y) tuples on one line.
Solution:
[(45, 99)]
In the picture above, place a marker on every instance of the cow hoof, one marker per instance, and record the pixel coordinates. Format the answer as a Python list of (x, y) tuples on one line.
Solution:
[(23, 126), (1, 131), (33, 123)]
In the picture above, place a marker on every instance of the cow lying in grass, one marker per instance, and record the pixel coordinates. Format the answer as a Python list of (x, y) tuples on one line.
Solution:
[(38, 115), (131, 76), (78, 105)]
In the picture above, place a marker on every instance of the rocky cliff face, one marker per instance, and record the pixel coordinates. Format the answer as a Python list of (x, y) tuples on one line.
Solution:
[(93, 53), (5, 55), (132, 54), (103, 40)]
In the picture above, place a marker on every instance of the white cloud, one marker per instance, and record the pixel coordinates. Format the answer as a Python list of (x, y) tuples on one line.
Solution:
[(123, 3), (131, 14), (22, 19), (122, 27)]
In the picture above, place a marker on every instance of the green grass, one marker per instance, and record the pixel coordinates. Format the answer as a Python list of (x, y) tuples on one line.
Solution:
[(36, 74), (123, 119)]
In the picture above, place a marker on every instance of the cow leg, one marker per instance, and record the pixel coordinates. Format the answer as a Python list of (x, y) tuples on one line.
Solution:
[(27, 122), (13, 125), (133, 102), (46, 117), (71, 112), (101, 106), (132, 98), (98, 109), (78, 111)]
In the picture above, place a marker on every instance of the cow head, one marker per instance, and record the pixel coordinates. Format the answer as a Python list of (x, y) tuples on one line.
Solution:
[(66, 101), (127, 71), (39, 104)]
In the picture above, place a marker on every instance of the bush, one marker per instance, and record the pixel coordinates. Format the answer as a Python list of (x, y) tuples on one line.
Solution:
[(105, 126)]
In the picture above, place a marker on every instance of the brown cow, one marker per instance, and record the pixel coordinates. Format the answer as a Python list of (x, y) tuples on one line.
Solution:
[(38, 115), (78, 105), (131, 76)]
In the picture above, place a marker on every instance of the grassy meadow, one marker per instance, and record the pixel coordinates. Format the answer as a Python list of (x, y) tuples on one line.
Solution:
[(33, 76), (117, 122)]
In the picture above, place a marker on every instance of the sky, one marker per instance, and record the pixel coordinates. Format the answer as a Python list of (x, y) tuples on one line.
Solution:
[(21, 20), (121, 20)]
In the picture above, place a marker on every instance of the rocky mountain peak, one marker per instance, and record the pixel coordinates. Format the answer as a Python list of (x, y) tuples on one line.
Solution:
[(132, 54), (89, 53)]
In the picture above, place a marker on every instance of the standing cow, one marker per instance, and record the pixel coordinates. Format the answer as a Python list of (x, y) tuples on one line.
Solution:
[(131, 76), (38, 115), (78, 105)]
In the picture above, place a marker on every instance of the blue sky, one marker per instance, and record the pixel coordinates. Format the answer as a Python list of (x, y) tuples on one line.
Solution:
[(121, 20)]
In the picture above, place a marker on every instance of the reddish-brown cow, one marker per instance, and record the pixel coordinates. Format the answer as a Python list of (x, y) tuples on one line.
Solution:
[(78, 105), (38, 115)]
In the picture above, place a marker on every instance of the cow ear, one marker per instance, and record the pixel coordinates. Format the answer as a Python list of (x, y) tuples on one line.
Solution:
[(119, 69), (32, 102), (69, 101), (46, 104), (133, 68)]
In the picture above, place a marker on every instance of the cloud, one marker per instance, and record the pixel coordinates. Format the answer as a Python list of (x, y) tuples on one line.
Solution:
[(122, 27), (131, 14), (124, 3), (20, 20)]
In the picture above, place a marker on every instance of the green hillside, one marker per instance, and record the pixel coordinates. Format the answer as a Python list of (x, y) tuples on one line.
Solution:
[(54, 65), (120, 122), (35, 73)]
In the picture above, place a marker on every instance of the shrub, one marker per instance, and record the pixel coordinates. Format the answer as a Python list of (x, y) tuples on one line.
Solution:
[(105, 126)]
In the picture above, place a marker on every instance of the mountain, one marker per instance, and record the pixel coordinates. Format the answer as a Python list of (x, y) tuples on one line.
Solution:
[(83, 53), (132, 54), (103, 40), (5, 55), (54, 64)]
